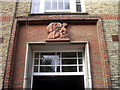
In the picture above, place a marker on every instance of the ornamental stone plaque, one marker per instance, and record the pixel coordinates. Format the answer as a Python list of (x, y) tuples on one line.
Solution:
[(57, 32)]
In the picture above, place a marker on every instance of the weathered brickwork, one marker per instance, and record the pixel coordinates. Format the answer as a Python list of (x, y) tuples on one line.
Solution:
[(23, 8), (8, 8), (6, 29), (111, 28), (100, 7), (6, 17)]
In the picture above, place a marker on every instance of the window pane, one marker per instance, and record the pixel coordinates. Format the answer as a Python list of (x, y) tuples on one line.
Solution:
[(46, 53), (80, 61), (50, 60), (54, 5), (80, 68), (69, 69), (47, 5), (36, 62), (58, 54), (36, 54), (35, 0), (78, 8), (60, 5), (68, 54), (35, 6), (47, 69), (58, 68), (66, 0), (69, 61), (77, 1), (67, 5), (35, 68), (79, 54)]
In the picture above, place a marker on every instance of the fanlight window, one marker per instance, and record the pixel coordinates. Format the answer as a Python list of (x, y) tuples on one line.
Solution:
[(56, 62)]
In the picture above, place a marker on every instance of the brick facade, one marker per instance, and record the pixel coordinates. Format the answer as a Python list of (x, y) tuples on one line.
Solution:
[(7, 10), (107, 11), (99, 81)]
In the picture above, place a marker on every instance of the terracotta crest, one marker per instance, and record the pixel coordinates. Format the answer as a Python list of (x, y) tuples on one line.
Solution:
[(57, 32)]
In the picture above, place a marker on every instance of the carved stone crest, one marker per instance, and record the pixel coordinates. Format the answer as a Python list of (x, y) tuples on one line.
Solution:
[(57, 32)]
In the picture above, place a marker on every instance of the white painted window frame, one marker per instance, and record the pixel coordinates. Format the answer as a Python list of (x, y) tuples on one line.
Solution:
[(86, 66), (57, 73), (72, 7), (64, 10)]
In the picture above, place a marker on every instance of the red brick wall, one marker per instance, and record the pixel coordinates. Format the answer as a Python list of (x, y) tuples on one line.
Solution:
[(37, 33)]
